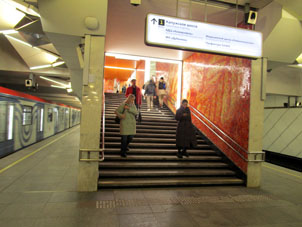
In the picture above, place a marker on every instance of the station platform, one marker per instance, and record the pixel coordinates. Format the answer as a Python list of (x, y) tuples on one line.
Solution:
[(38, 187)]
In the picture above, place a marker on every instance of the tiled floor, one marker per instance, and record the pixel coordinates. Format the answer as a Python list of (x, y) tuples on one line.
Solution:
[(41, 191)]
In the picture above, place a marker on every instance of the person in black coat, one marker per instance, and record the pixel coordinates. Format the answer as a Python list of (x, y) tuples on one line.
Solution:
[(185, 132)]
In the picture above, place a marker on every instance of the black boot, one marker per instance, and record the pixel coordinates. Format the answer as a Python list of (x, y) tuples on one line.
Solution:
[(184, 152), (179, 154), (123, 154)]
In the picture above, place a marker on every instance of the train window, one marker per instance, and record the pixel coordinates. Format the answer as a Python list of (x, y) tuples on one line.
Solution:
[(3, 117), (49, 114), (27, 115), (10, 122)]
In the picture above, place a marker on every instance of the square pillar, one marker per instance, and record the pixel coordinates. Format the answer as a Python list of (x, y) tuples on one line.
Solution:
[(257, 96), (92, 104)]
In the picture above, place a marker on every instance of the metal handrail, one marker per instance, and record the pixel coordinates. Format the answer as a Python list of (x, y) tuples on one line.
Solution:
[(255, 153), (247, 152), (171, 100), (88, 159), (103, 131), (219, 130)]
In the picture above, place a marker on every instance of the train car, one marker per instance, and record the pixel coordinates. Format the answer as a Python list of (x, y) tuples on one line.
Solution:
[(26, 119)]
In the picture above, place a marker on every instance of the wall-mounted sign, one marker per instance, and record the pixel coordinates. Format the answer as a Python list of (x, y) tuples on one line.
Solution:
[(184, 34)]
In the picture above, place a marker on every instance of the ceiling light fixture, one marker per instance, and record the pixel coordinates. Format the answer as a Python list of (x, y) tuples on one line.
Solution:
[(56, 86), (50, 57), (114, 67), (58, 63), (7, 32), (18, 40), (9, 15), (123, 56), (54, 81), (131, 57), (26, 8), (40, 67)]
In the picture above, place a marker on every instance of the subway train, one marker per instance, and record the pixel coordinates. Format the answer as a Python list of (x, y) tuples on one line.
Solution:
[(27, 119)]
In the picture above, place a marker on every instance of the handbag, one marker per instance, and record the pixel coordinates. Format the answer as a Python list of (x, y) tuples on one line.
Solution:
[(117, 119)]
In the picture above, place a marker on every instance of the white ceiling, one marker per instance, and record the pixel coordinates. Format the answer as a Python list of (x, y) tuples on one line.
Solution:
[(125, 24)]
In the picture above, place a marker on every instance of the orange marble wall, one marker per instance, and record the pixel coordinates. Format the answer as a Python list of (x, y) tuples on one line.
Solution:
[(219, 87), (109, 86), (170, 73)]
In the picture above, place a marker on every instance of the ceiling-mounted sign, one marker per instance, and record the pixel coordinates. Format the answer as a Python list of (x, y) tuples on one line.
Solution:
[(184, 34)]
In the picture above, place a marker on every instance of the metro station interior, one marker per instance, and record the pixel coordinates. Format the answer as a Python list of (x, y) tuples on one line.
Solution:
[(64, 69)]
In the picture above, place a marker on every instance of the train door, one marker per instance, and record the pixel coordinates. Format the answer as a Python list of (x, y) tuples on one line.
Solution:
[(6, 128), (56, 119), (67, 118), (40, 122)]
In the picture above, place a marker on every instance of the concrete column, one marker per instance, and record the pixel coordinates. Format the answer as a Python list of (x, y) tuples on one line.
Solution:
[(256, 122), (92, 104)]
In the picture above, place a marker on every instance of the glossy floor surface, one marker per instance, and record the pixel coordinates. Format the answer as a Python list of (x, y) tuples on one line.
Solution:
[(38, 188)]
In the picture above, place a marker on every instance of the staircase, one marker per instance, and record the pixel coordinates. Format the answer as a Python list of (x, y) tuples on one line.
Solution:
[(152, 159)]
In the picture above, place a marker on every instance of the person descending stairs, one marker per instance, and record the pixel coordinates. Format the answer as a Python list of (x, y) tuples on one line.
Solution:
[(152, 157)]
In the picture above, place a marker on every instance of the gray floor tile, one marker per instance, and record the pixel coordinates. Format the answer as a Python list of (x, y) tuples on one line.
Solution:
[(134, 210), (282, 214), (61, 210), (128, 194), (16, 222), (33, 197), (99, 195), (210, 218), (106, 221), (59, 197), (8, 197), (2, 207), (254, 216), (22, 211), (158, 194), (175, 219), (65, 222), (137, 220)]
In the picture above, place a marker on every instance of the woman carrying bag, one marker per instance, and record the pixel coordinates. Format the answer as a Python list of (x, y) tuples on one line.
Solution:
[(127, 112)]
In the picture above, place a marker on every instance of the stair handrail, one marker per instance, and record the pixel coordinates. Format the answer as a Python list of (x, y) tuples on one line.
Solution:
[(171, 100), (255, 153), (103, 130)]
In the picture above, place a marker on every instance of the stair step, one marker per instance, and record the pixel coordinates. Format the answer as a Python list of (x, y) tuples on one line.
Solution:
[(152, 145), (159, 151), (146, 122), (193, 181), (147, 117), (142, 126), (161, 173), (164, 165), (147, 135), (173, 121), (151, 160), (141, 130), (150, 140), (163, 158)]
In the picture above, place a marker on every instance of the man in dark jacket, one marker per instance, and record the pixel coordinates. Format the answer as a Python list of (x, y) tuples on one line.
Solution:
[(185, 133), (150, 93)]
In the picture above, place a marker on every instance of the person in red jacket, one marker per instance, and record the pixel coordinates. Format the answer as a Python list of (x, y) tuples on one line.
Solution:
[(136, 91)]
